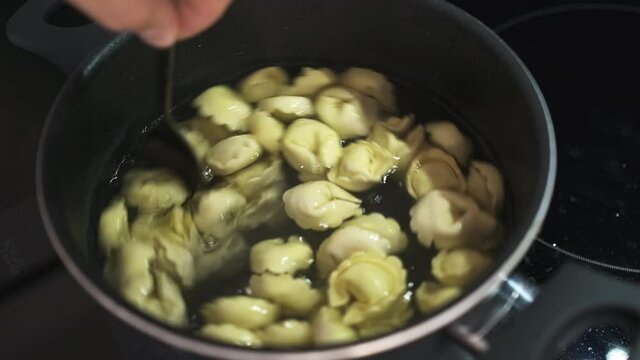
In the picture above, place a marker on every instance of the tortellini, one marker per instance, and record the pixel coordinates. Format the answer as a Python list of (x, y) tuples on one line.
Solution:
[(400, 150), (196, 141), (211, 132), (328, 329), (447, 219), (432, 296), (349, 151), (151, 291), (113, 227), (287, 108), (459, 267), (320, 205), (349, 113), (262, 184), (176, 260), (153, 190), (175, 225), (216, 212), (433, 169), (257, 177), (363, 233), (233, 154), (224, 107), (267, 130), (231, 334), (447, 136), (242, 311), (362, 166), (286, 334), (296, 297), (263, 83), (278, 257), (310, 81), (367, 284), (399, 126), (220, 259), (372, 84), (486, 186), (396, 316), (311, 147)]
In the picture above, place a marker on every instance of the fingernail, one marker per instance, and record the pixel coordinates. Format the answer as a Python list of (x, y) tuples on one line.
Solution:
[(158, 37)]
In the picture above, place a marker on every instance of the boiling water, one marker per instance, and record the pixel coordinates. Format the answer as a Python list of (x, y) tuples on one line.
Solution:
[(390, 198)]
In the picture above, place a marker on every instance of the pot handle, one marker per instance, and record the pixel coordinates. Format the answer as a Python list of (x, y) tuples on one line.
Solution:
[(572, 301), (65, 47)]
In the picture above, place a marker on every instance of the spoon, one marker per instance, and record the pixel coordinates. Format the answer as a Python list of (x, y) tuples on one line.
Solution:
[(165, 145)]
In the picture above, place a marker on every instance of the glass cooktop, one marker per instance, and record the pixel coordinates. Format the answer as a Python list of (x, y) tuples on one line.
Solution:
[(585, 58)]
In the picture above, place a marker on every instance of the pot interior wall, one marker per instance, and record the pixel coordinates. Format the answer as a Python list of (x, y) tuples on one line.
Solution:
[(419, 42)]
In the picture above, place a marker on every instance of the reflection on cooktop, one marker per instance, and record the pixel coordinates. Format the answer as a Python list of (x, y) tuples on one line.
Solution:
[(586, 62)]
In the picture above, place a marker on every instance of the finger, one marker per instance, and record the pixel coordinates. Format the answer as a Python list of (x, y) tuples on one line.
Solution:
[(195, 16), (156, 21)]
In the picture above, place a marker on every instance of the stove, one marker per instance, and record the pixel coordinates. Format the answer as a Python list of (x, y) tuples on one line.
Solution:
[(585, 57)]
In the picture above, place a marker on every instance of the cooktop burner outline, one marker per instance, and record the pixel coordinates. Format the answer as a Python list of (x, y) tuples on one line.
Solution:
[(554, 10)]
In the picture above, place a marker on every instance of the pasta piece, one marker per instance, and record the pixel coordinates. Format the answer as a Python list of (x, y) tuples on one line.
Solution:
[(233, 154), (153, 293), (363, 233), (226, 257), (267, 130), (296, 297), (231, 334), (242, 311), (396, 316), (432, 296), (447, 136), (167, 305), (327, 328), (459, 267), (224, 107), (263, 185), (363, 165), (311, 147), (485, 185), (263, 83), (320, 205), (113, 227), (287, 108), (400, 150), (286, 334), (263, 207), (211, 132), (346, 111), (372, 84), (399, 126), (153, 190), (196, 141), (175, 225), (447, 219), (216, 212), (367, 284), (310, 81), (433, 169), (278, 257), (176, 260)]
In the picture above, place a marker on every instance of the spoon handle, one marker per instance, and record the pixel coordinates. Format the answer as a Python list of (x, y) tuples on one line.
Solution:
[(167, 61)]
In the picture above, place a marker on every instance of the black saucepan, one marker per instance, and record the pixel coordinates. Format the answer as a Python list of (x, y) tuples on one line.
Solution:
[(430, 44)]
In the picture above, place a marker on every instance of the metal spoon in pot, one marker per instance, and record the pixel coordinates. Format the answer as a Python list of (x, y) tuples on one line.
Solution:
[(165, 145)]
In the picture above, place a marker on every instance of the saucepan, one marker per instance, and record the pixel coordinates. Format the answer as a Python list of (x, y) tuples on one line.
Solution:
[(435, 46)]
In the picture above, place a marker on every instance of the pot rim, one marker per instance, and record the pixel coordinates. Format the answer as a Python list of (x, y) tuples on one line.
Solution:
[(364, 348)]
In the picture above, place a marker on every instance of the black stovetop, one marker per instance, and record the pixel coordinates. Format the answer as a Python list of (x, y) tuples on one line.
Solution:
[(586, 59)]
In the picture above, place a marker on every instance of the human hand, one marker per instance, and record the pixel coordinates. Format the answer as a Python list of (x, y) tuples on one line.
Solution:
[(160, 23)]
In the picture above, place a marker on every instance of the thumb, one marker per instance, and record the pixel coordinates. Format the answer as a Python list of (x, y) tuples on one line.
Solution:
[(155, 21)]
